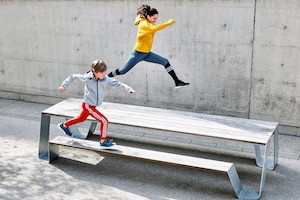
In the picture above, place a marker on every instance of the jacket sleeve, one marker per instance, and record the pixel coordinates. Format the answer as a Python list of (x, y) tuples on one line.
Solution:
[(163, 25), (72, 77), (116, 83)]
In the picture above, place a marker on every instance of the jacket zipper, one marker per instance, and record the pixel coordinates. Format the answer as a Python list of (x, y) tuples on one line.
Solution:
[(97, 94)]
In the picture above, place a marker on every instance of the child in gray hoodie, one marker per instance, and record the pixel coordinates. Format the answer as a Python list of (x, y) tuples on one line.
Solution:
[(96, 81)]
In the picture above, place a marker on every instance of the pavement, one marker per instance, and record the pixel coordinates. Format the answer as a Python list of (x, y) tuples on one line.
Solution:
[(79, 174)]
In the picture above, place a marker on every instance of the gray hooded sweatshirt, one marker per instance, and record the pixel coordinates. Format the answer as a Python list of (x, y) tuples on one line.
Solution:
[(94, 90)]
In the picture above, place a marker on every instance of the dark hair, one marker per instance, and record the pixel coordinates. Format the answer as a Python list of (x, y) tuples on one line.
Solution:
[(98, 66), (146, 10), (152, 12)]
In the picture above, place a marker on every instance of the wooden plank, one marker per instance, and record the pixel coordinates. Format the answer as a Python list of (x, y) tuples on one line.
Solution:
[(231, 128), (143, 154)]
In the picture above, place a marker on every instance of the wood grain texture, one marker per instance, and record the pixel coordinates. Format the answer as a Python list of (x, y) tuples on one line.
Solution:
[(231, 128)]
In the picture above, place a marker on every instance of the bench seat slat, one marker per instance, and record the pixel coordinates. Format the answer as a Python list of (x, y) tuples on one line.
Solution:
[(172, 120), (144, 154)]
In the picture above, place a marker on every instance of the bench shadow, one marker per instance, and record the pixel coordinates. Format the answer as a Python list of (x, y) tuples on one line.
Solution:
[(140, 177)]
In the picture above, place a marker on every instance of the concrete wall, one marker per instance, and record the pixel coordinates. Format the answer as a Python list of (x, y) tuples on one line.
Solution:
[(240, 56), (275, 82)]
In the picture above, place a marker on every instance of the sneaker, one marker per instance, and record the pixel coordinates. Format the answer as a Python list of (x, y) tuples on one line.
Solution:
[(180, 84), (65, 129), (110, 74), (107, 143)]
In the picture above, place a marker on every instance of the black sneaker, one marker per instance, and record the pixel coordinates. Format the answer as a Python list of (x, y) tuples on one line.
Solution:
[(114, 73), (65, 129), (110, 74), (180, 84)]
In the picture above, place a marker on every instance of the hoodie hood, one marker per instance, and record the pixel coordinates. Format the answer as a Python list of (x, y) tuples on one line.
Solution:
[(138, 19)]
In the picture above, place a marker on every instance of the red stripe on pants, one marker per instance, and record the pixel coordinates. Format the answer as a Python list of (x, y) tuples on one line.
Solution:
[(88, 110)]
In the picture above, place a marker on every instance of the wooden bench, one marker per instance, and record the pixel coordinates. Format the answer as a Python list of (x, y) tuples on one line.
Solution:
[(259, 133)]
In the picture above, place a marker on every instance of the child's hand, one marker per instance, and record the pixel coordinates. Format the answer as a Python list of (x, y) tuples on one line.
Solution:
[(132, 91), (171, 21), (61, 89)]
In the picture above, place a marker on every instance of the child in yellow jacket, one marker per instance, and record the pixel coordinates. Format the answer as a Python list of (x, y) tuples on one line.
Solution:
[(145, 19)]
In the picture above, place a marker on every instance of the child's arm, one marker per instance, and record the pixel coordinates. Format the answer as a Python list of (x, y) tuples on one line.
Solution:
[(128, 88), (70, 79), (114, 82)]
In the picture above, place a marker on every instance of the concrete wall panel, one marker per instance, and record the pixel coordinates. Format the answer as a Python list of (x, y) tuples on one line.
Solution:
[(276, 64)]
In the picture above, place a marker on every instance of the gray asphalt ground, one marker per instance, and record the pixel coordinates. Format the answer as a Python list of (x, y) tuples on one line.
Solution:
[(88, 175)]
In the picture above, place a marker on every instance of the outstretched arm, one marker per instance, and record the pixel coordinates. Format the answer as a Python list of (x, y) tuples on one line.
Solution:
[(128, 88), (115, 82), (163, 25), (70, 79)]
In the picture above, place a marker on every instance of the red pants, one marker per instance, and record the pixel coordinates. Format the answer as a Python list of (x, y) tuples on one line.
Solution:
[(88, 110)]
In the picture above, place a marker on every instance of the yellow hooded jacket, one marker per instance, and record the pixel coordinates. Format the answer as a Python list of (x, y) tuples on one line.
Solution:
[(146, 31)]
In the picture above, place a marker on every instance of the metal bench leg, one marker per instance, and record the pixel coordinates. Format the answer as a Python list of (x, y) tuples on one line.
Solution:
[(92, 128), (75, 131), (258, 156), (240, 192), (275, 156), (44, 137), (53, 152), (264, 168), (236, 183), (259, 159)]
